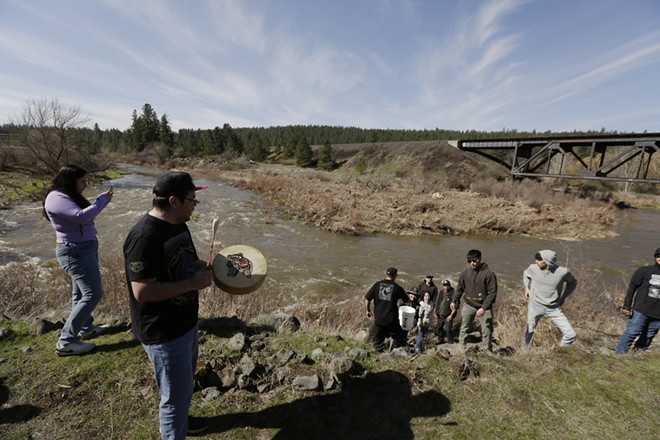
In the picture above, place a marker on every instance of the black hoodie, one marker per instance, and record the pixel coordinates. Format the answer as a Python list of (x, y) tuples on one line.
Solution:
[(644, 288)]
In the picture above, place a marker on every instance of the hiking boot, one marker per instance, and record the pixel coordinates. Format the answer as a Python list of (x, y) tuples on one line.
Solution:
[(74, 348), (197, 425), (93, 331)]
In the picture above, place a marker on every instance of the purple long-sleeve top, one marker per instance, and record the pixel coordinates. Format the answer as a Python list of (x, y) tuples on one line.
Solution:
[(71, 223)]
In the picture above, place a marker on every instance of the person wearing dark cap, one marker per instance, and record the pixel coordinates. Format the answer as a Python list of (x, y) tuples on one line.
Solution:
[(642, 307), (479, 284), (387, 297), (547, 285), (445, 314), (413, 298), (164, 275), (427, 286)]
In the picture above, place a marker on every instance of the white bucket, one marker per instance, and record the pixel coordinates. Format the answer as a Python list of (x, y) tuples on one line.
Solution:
[(406, 317)]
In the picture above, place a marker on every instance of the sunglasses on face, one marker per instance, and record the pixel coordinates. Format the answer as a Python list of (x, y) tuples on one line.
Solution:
[(473, 260)]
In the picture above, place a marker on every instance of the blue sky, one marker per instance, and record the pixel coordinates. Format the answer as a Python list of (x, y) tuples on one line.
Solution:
[(412, 64)]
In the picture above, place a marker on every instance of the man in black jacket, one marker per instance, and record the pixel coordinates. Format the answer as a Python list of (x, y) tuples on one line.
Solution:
[(644, 314), (479, 284)]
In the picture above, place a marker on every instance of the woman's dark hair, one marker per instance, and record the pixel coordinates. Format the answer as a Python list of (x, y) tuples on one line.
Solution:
[(65, 181), (538, 256)]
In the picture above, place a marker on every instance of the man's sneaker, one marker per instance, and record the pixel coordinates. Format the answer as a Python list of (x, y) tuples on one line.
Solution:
[(74, 348), (197, 425), (93, 331)]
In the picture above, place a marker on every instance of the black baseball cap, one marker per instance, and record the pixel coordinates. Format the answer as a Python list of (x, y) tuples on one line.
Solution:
[(391, 271), (174, 184)]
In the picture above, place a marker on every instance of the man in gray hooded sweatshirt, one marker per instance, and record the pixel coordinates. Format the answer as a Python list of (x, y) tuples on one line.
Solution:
[(547, 285)]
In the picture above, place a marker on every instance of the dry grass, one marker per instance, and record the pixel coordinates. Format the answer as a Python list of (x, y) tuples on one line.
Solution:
[(44, 292), (367, 206), (408, 188)]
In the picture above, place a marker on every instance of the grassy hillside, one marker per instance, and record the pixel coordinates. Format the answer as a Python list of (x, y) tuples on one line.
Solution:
[(573, 393)]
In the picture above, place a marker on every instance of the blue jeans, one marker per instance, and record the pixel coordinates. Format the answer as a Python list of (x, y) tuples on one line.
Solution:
[(174, 367), (420, 337), (81, 261), (640, 327), (534, 313)]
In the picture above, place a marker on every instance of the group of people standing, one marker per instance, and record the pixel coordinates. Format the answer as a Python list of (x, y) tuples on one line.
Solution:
[(164, 275), (433, 310), (477, 286), (546, 285)]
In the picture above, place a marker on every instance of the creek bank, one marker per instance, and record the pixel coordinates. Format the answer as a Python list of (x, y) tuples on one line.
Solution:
[(340, 204)]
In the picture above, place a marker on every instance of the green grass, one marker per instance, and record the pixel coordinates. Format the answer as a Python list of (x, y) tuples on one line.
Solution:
[(572, 393)]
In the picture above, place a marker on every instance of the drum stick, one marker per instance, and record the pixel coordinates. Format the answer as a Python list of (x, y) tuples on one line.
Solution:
[(216, 222)]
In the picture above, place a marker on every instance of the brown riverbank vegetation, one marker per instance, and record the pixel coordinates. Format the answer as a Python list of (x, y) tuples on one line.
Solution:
[(420, 188)]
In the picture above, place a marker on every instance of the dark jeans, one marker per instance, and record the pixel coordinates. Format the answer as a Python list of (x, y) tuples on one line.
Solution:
[(378, 333), (443, 330)]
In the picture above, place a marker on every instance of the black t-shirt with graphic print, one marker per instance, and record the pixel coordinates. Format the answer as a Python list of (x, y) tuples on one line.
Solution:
[(385, 294), (157, 249)]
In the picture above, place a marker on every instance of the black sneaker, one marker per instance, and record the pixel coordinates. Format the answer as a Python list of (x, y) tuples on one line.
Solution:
[(197, 425)]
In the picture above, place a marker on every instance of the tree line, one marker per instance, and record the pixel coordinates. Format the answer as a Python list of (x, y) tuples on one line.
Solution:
[(55, 134)]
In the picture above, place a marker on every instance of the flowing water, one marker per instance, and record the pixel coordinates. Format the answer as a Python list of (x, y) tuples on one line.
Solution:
[(309, 264)]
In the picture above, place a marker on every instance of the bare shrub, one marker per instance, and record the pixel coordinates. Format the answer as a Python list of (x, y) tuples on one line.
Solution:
[(114, 304), (20, 299), (595, 191), (7, 158), (455, 181), (532, 193)]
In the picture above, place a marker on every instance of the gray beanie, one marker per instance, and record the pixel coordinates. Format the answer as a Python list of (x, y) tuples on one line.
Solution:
[(550, 257), (657, 252)]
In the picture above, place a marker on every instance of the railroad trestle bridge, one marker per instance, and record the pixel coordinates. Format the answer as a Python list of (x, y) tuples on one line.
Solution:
[(625, 158)]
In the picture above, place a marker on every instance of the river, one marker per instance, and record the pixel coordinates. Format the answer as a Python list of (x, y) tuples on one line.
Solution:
[(309, 264)]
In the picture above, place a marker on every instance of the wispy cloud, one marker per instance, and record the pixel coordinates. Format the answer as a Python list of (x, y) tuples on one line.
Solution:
[(393, 63), (604, 67), (465, 75)]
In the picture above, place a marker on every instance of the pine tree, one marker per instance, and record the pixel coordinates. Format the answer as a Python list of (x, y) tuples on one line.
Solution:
[(325, 160), (303, 154)]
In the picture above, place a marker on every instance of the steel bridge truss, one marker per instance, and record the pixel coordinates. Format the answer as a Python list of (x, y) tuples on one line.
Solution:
[(593, 158)]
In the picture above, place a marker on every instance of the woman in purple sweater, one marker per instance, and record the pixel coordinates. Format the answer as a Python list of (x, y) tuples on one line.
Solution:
[(72, 217)]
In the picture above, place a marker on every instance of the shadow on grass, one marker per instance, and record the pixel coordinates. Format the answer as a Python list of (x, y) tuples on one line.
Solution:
[(121, 345), (380, 405), (16, 413)]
